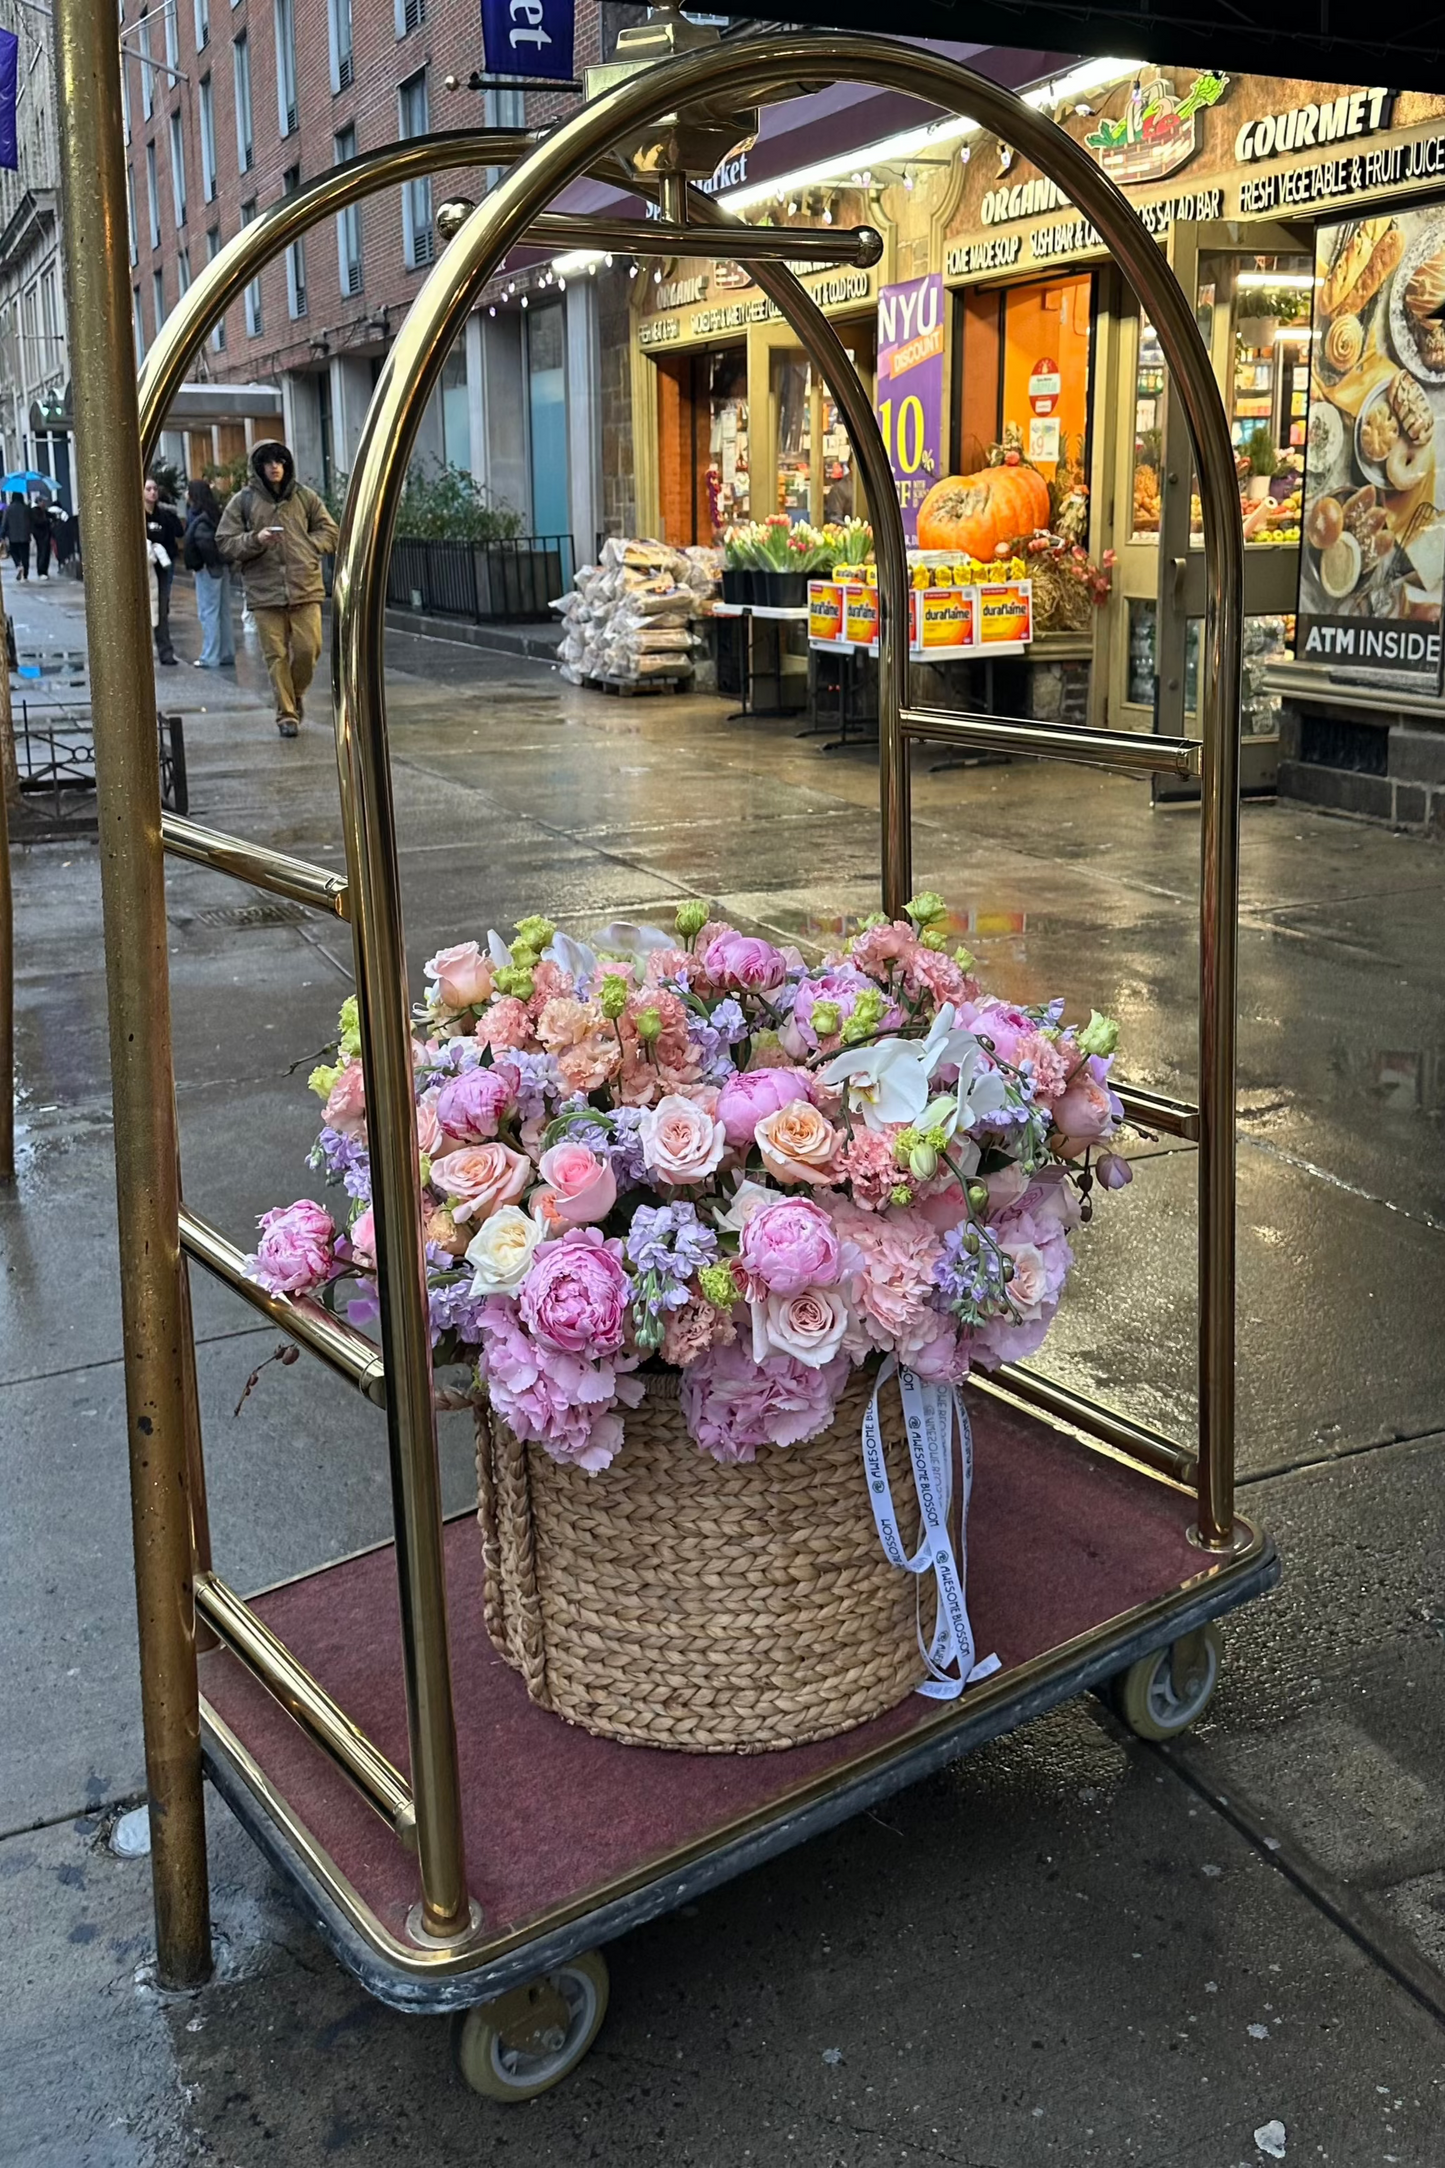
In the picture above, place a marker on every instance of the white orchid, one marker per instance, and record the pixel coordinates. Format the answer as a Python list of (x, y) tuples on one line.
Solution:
[(630, 940), (886, 1082), (574, 957)]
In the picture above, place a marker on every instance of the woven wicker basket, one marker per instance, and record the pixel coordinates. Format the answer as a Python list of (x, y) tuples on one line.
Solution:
[(672, 1602)]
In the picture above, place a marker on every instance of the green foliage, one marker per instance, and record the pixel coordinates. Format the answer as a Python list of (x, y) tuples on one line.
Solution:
[(1260, 451), (169, 480), (449, 505), (226, 476)]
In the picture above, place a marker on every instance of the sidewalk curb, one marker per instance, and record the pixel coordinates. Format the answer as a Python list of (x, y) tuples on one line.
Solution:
[(536, 643)]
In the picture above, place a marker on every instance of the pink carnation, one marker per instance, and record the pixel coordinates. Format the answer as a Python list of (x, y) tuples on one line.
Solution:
[(881, 948), (549, 983), (582, 1040), (549, 1397), (892, 1309), (472, 1106), (294, 1253), (575, 1297), (733, 1405), (689, 1332), (926, 971), (867, 1165), (1050, 1066), (505, 1025)]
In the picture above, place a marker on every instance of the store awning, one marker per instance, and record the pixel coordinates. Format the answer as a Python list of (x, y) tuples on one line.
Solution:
[(197, 405)]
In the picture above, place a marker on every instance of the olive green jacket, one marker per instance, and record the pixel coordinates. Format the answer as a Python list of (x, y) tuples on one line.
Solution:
[(278, 575)]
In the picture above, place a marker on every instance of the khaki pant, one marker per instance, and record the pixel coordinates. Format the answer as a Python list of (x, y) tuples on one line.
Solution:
[(290, 644)]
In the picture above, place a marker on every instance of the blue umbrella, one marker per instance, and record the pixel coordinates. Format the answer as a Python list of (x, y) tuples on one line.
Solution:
[(30, 480)]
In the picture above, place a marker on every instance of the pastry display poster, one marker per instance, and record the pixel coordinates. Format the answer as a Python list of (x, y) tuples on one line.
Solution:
[(1374, 539)]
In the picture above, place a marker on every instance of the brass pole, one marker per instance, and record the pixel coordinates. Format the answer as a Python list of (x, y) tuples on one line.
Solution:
[(133, 898)]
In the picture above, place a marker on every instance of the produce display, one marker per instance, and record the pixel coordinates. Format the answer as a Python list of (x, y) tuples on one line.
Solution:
[(972, 515)]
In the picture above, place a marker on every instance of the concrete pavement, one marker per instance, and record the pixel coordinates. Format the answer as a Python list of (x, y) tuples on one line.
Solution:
[(1066, 1949)]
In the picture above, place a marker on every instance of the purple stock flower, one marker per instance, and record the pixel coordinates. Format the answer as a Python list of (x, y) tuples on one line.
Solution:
[(970, 1275), (345, 1160)]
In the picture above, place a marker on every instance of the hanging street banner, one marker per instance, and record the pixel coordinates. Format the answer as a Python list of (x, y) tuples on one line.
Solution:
[(528, 38), (909, 399)]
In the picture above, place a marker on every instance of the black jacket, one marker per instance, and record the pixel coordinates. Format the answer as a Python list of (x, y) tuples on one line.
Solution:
[(163, 525), (17, 525), (201, 554), (40, 522)]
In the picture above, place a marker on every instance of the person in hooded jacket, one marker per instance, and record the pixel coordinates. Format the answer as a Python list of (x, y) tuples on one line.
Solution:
[(17, 533), (40, 535), (276, 532)]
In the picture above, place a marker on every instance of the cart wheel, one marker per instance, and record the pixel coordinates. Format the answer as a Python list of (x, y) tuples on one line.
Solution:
[(1163, 1694), (528, 2040)]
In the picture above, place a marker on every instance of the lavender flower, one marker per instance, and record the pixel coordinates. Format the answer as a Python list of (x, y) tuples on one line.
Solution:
[(538, 1080), (970, 1275), (624, 1148), (346, 1160), (667, 1244)]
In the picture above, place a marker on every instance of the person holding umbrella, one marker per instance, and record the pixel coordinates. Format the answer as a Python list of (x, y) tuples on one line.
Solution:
[(17, 534)]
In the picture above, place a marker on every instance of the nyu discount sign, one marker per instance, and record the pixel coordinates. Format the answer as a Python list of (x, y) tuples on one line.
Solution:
[(528, 37), (910, 388)]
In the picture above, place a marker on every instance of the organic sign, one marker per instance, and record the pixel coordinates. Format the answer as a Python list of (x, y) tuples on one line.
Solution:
[(910, 388), (1158, 133), (1374, 537)]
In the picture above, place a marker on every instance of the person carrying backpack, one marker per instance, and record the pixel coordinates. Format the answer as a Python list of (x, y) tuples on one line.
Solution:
[(213, 577), (277, 532)]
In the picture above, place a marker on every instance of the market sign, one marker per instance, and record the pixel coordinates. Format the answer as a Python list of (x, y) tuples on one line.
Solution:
[(909, 397), (528, 37), (1157, 132), (1357, 113)]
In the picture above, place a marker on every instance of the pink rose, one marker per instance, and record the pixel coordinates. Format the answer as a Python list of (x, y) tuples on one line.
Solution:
[(428, 1128), (1083, 1115), (797, 1144), (681, 1141), (362, 1237), (345, 1108), (808, 1326), (750, 1098), (738, 959), (790, 1245), (480, 1178), (1029, 1287), (575, 1297), (583, 1187), (294, 1253), (463, 976), (472, 1105)]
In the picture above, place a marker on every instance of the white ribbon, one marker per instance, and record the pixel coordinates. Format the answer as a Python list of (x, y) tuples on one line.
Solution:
[(929, 1411)]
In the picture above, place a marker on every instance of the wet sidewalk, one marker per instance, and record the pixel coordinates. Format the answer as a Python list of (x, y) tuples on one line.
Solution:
[(1071, 1948)]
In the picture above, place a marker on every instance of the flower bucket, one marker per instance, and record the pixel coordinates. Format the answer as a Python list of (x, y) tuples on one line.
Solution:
[(677, 1602)]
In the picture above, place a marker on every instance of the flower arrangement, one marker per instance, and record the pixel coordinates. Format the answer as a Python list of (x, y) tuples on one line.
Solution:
[(693, 1150)]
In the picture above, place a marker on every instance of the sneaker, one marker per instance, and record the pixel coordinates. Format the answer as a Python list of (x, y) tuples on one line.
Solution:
[(286, 724)]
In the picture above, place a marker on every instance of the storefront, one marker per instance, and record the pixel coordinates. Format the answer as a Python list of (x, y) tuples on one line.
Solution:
[(1257, 189)]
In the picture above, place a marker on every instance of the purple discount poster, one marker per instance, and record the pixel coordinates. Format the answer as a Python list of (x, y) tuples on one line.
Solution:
[(910, 388)]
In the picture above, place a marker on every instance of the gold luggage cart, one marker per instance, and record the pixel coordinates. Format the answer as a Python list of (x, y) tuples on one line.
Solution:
[(356, 1719)]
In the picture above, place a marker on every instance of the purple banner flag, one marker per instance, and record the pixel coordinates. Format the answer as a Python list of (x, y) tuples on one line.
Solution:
[(910, 388), (9, 58), (528, 37)]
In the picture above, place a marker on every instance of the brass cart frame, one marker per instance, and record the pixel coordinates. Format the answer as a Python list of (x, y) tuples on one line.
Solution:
[(448, 1953)]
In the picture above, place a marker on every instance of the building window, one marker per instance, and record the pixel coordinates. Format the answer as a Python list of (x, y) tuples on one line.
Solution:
[(203, 24), (137, 324), (296, 253), (245, 135), (410, 15), (504, 109), (183, 271), (338, 20), (416, 224), (125, 92), (130, 214), (147, 67), (50, 324), (172, 34), (348, 222), (158, 293), (286, 116), (213, 250), (178, 168), (208, 139), (253, 291), (153, 196)]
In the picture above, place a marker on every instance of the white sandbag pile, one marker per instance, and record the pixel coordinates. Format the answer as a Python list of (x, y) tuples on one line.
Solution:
[(630, 618)]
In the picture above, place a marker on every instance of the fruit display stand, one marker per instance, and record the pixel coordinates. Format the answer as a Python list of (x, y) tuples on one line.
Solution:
[(459, 1849)]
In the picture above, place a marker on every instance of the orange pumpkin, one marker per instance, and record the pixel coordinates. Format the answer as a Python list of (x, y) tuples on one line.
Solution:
[(971, 514)]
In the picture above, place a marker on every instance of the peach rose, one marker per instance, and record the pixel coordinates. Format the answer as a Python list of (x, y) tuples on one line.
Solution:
[(478, 1180), (796, 1143), (463, 976), (345, 1109), (681, 1142), (581, 1187)]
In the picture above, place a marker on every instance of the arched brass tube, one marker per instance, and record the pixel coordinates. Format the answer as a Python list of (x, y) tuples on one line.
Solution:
[(410, 376), (248, 252)]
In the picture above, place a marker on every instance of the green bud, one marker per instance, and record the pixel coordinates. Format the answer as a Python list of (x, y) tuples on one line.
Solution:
[(647, 1329), (718, 1286), (904, 1143), (964, 958), (321, 1080), (514, 979), (424, 1163), (1099, 1036), (349, 1024), (933, 937), (875, 918), (971, 1242), (535, 933), (978, 1196), (1007, 1269), (649, 1026), (612, 996), (925, 907), (855, 1031), (690, 920), (901, 1195), (827, 1018), (923, 1161), (869, 1009)]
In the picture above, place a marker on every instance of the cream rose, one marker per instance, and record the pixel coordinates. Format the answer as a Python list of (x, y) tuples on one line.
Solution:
[(681, 1141), (502, 1249), (463, 976), (797, 1144), (478, 1180), (809, 1326)]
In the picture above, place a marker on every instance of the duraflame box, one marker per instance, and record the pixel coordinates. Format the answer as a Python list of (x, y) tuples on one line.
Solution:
[(945, 618), (825, 610), (860, 615), (1005, 613)]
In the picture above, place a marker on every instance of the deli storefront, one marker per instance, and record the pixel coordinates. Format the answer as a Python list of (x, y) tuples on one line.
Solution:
[(1308, 221)]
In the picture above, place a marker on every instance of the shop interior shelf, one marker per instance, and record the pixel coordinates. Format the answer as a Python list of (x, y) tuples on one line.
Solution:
[(1078, 1562)]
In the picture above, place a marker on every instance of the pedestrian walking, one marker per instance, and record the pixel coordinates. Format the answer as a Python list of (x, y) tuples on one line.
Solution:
[(164, 535), (40, 536), (277, 532), (62, 532), (213, 577), (17, 534)]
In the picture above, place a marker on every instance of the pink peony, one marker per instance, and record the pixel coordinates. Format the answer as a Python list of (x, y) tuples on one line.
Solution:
[(581, 1187), (788, 1246), (892, 1306), (681, 1141), (738, 959), (749, 1098), (505, 1025), (733, 1405), (797, 1144), (550, 1397), (463, 976), (345, 1108), (295, 1252), (575, 1297), (471, 1106), (477, 1180)]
